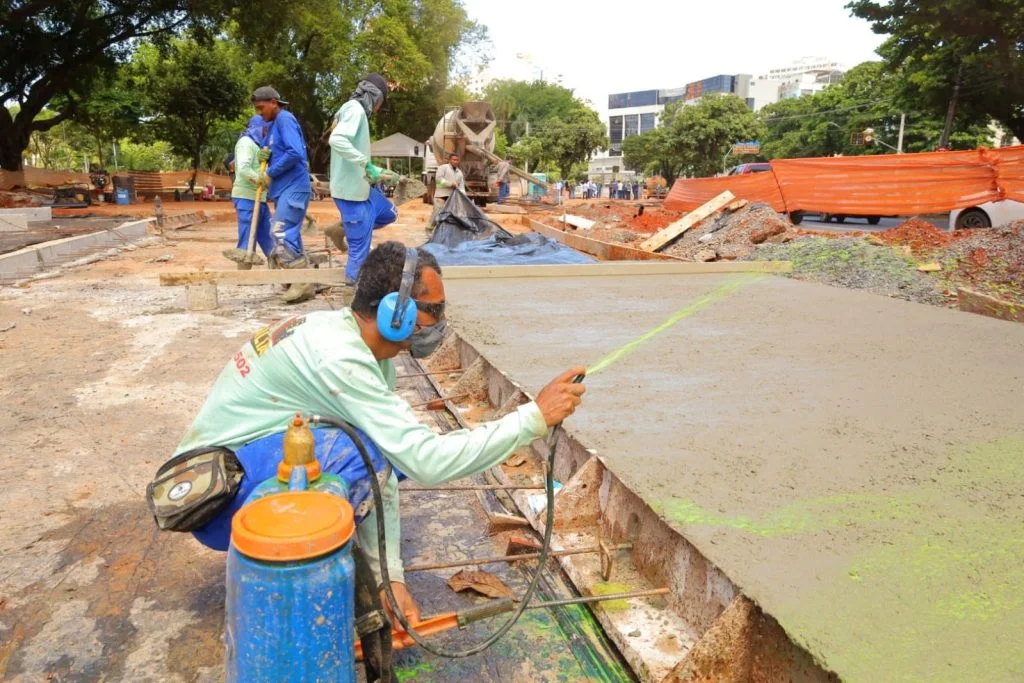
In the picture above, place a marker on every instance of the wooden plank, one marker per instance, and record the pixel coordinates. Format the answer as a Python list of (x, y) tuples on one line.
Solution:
[(663, 237), (983, 304), (328, 276), (602, 250)]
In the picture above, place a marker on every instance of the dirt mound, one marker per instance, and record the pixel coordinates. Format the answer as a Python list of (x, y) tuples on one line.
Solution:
[(733, 234), (990, 261), (640, 218), (921, 236), (855, 263)]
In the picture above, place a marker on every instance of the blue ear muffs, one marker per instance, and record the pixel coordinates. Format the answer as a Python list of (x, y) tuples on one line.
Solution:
[(396, 312)]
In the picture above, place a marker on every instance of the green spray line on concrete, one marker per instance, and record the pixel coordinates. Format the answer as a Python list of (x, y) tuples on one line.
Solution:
[(695, 306)]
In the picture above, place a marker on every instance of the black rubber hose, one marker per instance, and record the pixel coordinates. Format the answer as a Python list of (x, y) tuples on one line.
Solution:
[(378, 501)]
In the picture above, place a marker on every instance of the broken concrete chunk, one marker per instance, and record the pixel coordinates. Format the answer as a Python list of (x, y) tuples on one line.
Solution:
[(705, 255), (933, 267)]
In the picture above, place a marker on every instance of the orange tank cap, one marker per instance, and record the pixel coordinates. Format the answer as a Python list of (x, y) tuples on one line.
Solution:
[(284, 471), (292, 526)]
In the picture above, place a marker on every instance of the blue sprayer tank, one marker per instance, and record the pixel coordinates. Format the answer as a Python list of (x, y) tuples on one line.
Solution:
[(290, 576)]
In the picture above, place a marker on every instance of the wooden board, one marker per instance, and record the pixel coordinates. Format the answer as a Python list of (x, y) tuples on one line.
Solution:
[(328, 276), (983, 304), (665, 236), (603, 250)]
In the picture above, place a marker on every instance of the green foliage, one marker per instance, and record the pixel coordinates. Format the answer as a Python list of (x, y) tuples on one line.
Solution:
[(156, 156), (939, 43), (693, 139), (824, 124), (563, 130), (189, 89), (58, 50)]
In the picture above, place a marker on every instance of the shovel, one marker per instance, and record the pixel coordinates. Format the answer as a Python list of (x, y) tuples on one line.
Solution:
[(250, 251)]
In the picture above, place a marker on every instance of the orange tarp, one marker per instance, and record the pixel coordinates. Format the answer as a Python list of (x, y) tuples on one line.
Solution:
[(889, 184), (1009, 163), (687, 194)]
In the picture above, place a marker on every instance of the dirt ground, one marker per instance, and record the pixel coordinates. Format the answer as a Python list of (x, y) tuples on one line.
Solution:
[(103, 371)]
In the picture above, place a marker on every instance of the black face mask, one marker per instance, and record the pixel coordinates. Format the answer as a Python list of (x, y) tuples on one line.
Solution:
[(425, 341)]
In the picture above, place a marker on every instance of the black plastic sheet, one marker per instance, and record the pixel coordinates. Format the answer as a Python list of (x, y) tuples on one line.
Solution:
[(464, 236)]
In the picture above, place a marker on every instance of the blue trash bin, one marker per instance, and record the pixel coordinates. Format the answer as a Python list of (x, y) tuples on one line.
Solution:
[(121, 196)]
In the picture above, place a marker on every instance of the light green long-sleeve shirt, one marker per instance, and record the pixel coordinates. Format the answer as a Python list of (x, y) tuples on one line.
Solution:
[(319, 364), (247, 169), (350, 151)]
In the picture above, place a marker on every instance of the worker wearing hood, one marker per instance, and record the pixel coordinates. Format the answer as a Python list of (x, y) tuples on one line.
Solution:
[(362, 207), (243, 193)]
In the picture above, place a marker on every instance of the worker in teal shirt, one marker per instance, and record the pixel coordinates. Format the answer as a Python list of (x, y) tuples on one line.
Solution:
[(288, 176), (243, 193), (338, 363), (363, 208)]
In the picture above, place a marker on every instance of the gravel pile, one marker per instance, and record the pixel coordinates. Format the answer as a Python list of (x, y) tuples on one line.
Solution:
[(990, 261), (731, 235), (856, 264)]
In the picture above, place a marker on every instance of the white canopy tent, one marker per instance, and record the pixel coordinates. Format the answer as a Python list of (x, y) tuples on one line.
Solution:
[(397, 146)]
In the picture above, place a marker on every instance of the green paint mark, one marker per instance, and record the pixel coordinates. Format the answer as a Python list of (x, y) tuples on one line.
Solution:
[(604, 588), (934, 589), (700, 304)]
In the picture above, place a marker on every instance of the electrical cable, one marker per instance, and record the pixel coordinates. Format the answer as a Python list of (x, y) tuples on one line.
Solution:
[(378, 502)]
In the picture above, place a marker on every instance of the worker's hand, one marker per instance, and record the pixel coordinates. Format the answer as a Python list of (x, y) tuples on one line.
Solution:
[(442, 182), (389, 176), (405, 601), (558, 400), (372, 172), (263, 180), (263, 155)]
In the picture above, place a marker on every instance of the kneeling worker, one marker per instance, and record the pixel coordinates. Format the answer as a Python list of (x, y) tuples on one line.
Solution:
[(338, 363)]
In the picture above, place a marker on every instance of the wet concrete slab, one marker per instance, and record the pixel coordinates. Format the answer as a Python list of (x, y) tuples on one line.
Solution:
[(855, 464)]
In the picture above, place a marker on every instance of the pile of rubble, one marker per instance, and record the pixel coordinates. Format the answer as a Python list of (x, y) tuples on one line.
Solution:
[(733, 233), (990, 261), (17, 199)]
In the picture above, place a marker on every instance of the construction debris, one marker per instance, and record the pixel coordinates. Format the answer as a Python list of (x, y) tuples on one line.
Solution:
[(989, 261), (482, 582), (733, 234)]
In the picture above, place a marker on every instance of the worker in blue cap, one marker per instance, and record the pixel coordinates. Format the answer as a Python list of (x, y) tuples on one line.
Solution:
[(243, 194), (362, 207), (288, 176)]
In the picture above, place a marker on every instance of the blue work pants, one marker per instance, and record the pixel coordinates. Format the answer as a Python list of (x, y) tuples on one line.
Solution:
[(244, 209), (502, 192), (360, 220), (336, 453), (289, 215)]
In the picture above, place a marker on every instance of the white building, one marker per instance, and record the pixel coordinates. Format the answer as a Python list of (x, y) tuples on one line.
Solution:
[(803, 77)]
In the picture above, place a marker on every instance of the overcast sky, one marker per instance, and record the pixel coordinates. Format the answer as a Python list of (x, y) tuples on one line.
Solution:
[(607, 47)]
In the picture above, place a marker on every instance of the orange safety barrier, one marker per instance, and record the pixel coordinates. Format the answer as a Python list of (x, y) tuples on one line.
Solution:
[(689, 193), (1009, 163), (890, 184)]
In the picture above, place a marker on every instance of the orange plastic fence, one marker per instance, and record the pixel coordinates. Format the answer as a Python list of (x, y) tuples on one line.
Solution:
[(891, 184)]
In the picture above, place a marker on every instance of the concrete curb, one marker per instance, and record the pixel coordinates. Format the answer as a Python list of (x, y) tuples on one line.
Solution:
[(23, 263), (31, 213), (30, 260)]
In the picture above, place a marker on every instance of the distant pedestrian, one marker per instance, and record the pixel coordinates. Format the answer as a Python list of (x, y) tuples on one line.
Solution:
[(636, 190)]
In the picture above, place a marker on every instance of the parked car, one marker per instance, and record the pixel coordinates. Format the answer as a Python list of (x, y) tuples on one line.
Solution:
[(986, 215), (319, 185), (746, 169), (841, 218)]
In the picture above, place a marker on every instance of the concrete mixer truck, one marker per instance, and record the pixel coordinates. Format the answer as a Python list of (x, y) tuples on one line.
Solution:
[(468, 131)]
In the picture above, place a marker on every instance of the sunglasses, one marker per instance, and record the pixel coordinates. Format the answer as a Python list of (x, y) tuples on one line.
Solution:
[(436, 310)]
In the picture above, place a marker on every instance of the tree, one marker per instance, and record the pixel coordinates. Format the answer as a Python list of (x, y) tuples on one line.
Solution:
[(699, 136), (571, 140), (651, 154), (189, 89), (958, 55), (57, 49), (519, 106), (111, 112), (871, 95)]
